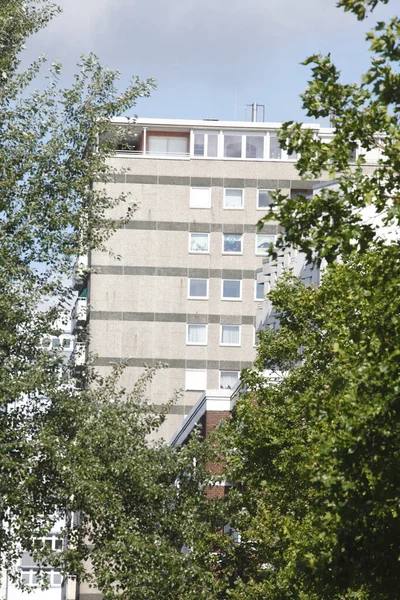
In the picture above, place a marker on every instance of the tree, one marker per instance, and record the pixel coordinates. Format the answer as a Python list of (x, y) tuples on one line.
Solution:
[(68, 450), (364, 115), (315, 458), (52, 149)]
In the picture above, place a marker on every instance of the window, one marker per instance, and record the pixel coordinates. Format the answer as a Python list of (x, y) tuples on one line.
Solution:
[(305, 193), (232, 146), (254, 146), (198, 288), (264, 199), (67, 343), (197, 335), (196, 379), (160, 144), (232, 243), (259, 291), (31, 576), (233, 198), (230, 335), (200, 197), (231, 289), (205, 144), (199, 242), (228, 379), (275, 151), (263, 243)]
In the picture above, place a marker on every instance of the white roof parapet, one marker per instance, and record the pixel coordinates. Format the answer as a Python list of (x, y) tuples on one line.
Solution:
[(211, 124), (209, 401)]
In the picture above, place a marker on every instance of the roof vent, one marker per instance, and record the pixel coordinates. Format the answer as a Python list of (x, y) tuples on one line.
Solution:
[(255, 110)]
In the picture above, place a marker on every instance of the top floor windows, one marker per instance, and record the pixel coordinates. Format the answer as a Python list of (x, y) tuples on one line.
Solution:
[(205, 144), (243, 146), (162, 145), (251, 143)]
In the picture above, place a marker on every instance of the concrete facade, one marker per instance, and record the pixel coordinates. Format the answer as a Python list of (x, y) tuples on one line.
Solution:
[(179, 286)]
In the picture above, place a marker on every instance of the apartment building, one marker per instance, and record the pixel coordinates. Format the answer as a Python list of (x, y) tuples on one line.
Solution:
[(180, 285)]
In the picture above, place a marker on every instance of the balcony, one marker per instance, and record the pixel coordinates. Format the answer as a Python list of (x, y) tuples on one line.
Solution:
[(79, 314), (80, 272), (78, 356)]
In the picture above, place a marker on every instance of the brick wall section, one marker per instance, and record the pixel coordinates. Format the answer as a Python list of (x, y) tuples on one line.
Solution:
[(211, 420)]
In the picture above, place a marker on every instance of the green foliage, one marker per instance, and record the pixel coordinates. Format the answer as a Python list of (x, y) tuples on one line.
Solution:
[(52, 149), (319, 453), (363, 114), (315, 455)]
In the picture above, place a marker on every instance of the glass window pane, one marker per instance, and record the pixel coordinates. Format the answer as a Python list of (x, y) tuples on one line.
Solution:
[(198, 288), (212, 145), (199, 144), (233, 146), (254, 146), (35, 578), (228, 379), (25, 576), (200, 197), (263, 243), (230, 334), (264, 199), (259, 291), (199, 242), (197, 334), (232, 242), (195, 379), (233, 198), (274, 147), (57, 578), (177, 145), (158, 144), (58, 544), (231, 288)]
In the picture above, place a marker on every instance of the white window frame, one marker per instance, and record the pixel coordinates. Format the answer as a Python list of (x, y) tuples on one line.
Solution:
[(198, 297), (51, 573), (198, 187), (256, 284), (232, 345), (229, 298), (190, 243), (198, 372), (168, 139), (227, 371), (264, 208), (188, 326), (254, 134), (232, 253), (258, 253), (206, 134), (234, 207)]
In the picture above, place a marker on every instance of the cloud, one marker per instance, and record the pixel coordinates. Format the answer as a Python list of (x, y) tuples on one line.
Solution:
[(198, 49), (190, 36)]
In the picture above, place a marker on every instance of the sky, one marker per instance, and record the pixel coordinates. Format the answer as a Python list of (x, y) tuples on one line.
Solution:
[(210, 57)]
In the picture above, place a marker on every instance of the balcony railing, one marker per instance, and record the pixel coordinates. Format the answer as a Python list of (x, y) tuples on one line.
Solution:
[(80, 271), (79, 313), (78, 356)]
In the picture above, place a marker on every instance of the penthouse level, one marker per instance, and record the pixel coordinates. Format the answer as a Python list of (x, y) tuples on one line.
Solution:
[(214, 139)]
